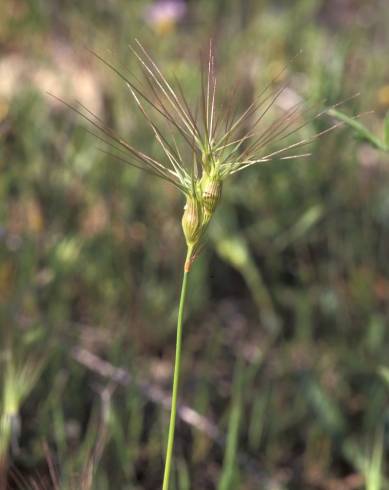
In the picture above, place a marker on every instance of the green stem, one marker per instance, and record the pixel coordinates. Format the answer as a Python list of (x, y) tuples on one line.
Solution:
[(176, 377)]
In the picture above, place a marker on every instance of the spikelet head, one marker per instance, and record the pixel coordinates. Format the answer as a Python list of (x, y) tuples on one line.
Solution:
[(192, 220)]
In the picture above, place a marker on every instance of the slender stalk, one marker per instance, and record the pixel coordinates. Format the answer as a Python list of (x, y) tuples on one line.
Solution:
[(177, 369)]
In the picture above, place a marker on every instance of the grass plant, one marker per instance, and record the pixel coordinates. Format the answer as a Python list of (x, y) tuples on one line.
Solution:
[(221, 142), (293, 281), (18, 379)]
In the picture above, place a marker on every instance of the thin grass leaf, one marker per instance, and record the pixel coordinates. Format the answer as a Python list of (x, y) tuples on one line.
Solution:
[(361, 131), (386, 131), (374, 465), (229, 476)]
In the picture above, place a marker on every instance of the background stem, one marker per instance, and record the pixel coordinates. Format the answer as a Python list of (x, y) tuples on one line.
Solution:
[(176, 377)]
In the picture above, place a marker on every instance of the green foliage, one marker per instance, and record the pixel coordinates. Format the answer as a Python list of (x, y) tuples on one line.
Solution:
[(386, 132), (374, 466), (229, 477), (361, 131)]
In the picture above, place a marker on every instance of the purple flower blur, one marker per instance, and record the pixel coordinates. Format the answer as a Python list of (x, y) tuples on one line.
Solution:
[(164, 14)]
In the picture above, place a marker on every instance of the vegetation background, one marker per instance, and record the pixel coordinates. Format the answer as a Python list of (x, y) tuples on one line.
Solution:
[(286, 374)]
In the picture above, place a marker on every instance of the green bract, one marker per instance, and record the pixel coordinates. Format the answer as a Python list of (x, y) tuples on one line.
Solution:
[(193, 221)]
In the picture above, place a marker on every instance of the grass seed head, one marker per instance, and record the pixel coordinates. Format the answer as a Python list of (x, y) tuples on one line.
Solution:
[(222, 140)]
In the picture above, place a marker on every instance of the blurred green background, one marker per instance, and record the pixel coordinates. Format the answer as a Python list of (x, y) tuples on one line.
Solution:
[(286, 338)]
